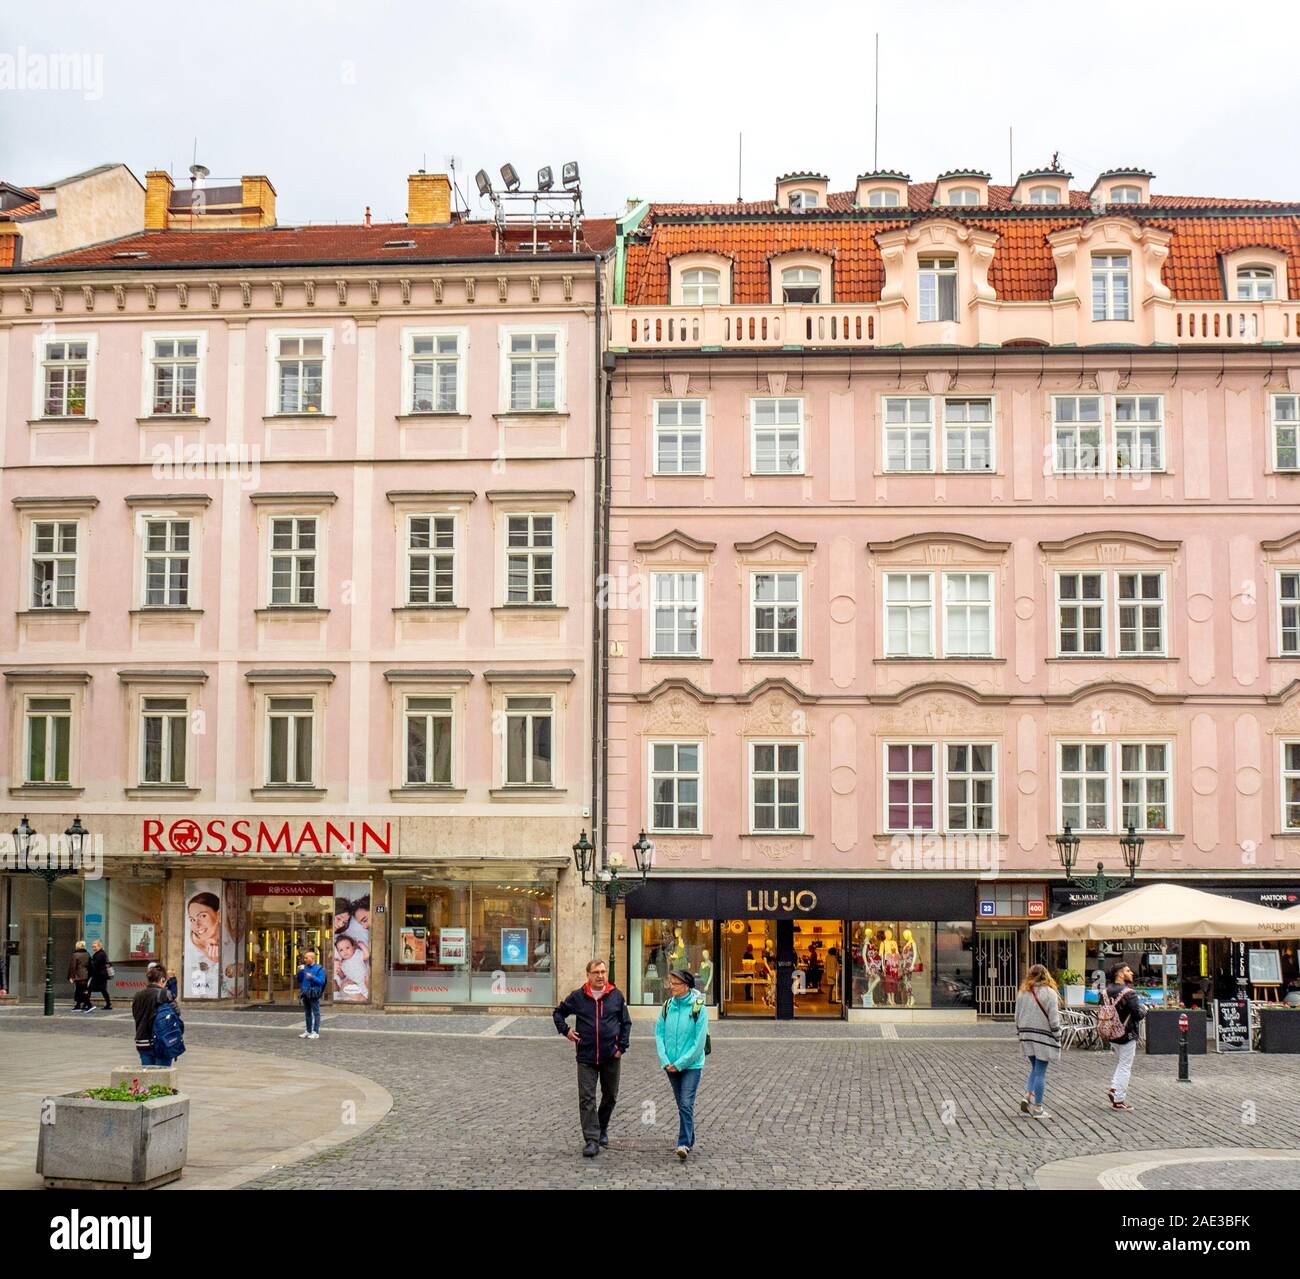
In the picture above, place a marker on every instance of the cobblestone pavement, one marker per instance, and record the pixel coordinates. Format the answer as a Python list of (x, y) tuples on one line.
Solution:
[(490, 1102), (1217, 1174)]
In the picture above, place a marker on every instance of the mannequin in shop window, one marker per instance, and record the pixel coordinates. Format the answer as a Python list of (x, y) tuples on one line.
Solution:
[(906, 997), (891, 967), (871, 962), (678, 957), (704, 975), (833, 974)]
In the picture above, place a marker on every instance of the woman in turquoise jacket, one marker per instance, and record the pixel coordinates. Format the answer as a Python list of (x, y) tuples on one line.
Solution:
[(681, 1031)]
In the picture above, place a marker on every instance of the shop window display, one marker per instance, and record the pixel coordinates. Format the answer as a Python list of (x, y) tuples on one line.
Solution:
[(657, 946), (911, 964)]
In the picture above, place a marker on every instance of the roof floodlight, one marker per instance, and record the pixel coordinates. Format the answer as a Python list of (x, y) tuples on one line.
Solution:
[(484, 182), (569, 173), (545, 179), (510, 177)]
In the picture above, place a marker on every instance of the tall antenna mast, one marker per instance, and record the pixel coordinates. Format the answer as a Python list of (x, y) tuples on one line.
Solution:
[(875, 150), (1011, 154), (740, 168)]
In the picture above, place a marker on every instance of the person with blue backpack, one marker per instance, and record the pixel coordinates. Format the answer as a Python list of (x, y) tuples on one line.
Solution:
[(682, 1038), (159, 1031), (311, 986)]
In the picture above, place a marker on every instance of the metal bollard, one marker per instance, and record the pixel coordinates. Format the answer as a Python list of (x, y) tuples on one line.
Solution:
[(1184, 1077)]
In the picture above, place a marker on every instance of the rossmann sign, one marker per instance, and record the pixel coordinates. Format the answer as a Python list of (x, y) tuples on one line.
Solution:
[(257, 838)]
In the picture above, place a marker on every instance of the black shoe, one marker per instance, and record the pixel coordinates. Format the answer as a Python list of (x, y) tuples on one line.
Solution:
[(590, 1150), (604, 1137)]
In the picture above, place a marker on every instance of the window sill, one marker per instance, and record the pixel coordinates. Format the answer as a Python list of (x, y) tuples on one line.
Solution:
[(680, 475), (530, 608), (776, 834), (292, 610), (506, 414), (685, 661), (62, 421), (449, 610), (427, 792), (147, 790), (53, 612), (778, 475), (287, 792), (1285, 657), (905, 660), (151, 418), (941, 834), (166, 610), (1119, 834), (47, 788), (775, 660), (941, 473), (697, 834), (442, 415), (286, 418), (525, 793), (1127, 657)]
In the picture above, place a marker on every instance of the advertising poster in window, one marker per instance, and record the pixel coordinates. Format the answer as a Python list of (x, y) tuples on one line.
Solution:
[(514, 946), (204, 933), (143, 943), (351, 941), (452, 945), (413, 946)]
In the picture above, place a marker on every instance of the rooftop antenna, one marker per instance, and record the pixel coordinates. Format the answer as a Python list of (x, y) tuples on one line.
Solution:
[(740, 168), (875, 150), (453, 163), (1011, 155)]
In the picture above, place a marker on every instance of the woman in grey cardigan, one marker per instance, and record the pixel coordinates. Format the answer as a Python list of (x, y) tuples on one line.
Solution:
[(1038, 1025)]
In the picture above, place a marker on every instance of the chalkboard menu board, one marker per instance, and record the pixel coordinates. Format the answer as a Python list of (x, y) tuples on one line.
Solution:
[(1231, 1026)]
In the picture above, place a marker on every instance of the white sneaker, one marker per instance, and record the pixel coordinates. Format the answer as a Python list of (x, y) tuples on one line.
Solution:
[(314, 1035), (306, 1034)]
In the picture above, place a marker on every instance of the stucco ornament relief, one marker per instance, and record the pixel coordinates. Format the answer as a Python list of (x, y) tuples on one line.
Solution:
[(1115, 713), (676, 850), (937, 714), (775, 850), (676, 714), (774, 713)]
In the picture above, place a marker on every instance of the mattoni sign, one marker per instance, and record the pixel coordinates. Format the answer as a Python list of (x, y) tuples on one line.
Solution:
[(185, 837)]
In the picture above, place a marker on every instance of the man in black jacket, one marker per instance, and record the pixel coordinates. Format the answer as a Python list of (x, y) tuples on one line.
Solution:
[(1131, 1010), (602, 1027)]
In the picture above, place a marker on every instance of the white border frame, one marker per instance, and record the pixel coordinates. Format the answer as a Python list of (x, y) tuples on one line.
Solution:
[(504, 333), (751, 469), (273, 337), (750, 744), (650, 744), (406, 350), (884, 613), (655, 402), (942, 604), (775, 571), (39, 344), (940, 773), (147, 339)]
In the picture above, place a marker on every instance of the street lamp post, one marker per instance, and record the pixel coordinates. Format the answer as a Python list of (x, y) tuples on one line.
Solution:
[(607, 883), (23, 835), (1067, 849)]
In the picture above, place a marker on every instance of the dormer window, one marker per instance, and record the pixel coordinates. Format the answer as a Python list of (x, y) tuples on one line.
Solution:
[(1111, 287), (1256, 284), (1126, 195), (963, 195), (803, 199), (701, 287), (1044, 195), (937, 280), (801, 284), (883, 198)]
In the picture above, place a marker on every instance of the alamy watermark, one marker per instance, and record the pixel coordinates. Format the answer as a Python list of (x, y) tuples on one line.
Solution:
[(53, 852), (27, 71)]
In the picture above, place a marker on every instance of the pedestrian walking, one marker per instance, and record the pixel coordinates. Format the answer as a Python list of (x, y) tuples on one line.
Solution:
[(602, 1030), (311, 986), (1130, 1010), (79, 976), (159, 1031), (682, 1038), (101, 972), (1038, 1027)]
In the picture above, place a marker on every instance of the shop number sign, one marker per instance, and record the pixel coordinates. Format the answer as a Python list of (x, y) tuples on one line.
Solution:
[(1231, 1026)]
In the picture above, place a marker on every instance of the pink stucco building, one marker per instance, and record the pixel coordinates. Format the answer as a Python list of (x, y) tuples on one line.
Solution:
[(298, 539), (946, 515)]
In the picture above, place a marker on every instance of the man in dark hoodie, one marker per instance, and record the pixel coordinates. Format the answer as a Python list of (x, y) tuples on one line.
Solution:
[(602, 1027), (1128, 1004)]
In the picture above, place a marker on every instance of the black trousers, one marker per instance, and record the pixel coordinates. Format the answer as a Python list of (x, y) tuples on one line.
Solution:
[(81, 994), (596, 1120)]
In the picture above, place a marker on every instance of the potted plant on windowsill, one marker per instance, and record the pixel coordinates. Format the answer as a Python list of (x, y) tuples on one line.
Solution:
[(1279, 1028), (1070, 981)]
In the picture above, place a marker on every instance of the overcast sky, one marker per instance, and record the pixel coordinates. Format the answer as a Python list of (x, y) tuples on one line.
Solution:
[(337, 102)]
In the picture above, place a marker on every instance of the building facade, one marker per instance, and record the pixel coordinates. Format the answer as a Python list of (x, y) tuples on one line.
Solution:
[(946, 515), (299, 526)]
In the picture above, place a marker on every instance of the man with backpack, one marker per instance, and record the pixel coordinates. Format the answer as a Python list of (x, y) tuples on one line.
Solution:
[(682, 1037), (311, 986), (602, 1030), (159, 1031), (1119, 1023)]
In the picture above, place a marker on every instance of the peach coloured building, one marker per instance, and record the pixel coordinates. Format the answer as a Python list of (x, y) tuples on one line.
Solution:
[(298, 532), (947, 515)]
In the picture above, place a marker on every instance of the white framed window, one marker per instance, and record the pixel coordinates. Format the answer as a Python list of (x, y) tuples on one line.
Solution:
[(1077, 433), (968, 614), (1126, 194), (1286, 425), (530, 559), (1256, 284), (679, 437), (1140, 432), (530, 736), (1291, 785), (675, 786), (963, 195), (801, 284), (776, 787), (533, 371), (164, 734), (1111, 287), (803, 200), (290, 741), (293, 560), (54, 563), (175, 381), (1288, 613), (675, 617), (431, 559), (909, 615), (48, 746), (701, 286), (1081, 614), (428, 723), (66, 378), (970, 786), (299, 369), (777, 435), (968, 434), (1141, 599), (434, 371), (1044, 195), (1083, 775), (909, 433), (911, 783), (937, 288), (883, 198), (166, 563), (775, 607), (1144, 785)]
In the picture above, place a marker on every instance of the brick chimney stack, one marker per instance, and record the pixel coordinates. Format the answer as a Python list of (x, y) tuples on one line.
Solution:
[(259, 201), (157, 199), (428, 199)]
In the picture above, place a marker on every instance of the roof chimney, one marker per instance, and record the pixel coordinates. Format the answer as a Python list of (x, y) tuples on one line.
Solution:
[(157, 199), (428, 199), (258, 200)]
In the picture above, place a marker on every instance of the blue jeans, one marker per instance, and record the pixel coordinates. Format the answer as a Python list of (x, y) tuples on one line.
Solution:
[(685, 1084), (311, 1009), (1037, 1080), (149, 1058)]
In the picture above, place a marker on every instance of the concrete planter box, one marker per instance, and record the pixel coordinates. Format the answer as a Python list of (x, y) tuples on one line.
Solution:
[(1162, 1034), (1279, 1030), (149, 1076), (113, 1145)]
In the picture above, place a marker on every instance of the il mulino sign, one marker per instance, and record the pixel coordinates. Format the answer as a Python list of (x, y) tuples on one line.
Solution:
[(258, 838)]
